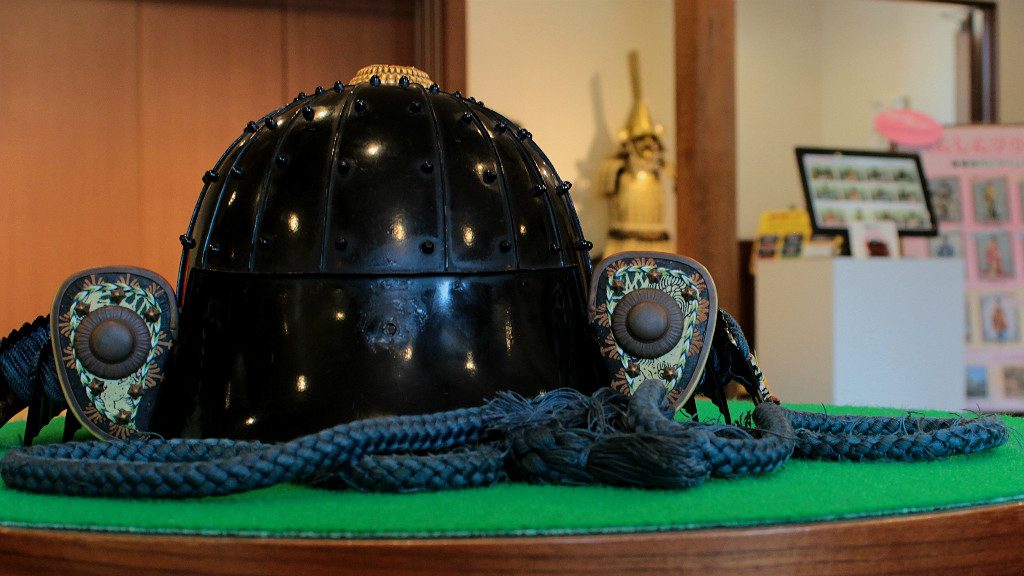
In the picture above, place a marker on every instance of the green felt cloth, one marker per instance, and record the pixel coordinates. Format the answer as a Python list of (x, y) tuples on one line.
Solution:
[(801, 491)]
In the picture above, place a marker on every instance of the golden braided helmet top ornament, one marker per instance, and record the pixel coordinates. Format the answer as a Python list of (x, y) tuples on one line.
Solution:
[(391, 74)]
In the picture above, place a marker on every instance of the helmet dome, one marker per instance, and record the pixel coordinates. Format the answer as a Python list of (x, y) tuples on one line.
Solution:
[(381, 247)]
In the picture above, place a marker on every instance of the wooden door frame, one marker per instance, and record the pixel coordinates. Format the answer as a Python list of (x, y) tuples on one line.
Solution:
[(705, 33), (441, 41)]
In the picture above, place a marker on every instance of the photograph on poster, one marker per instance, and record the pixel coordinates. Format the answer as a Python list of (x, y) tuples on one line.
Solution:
[(1013, 381), (977, 382), (994, 255), (946, 199), (991, 200), (1020, 186), (999, 322), (946, 245)]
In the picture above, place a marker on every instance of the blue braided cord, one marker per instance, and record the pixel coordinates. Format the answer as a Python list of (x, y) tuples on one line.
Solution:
[(49, 379), (906, 439), (562, 437), (191, 468), (20, 357)]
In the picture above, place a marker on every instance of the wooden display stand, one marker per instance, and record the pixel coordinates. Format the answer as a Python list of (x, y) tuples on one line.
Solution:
[(871, 332), (970, 541)]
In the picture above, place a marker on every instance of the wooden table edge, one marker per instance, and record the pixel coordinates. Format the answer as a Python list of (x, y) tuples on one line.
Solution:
[(977, 540)]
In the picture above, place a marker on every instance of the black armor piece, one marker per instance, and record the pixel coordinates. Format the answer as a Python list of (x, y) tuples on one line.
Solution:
[(375, 249)]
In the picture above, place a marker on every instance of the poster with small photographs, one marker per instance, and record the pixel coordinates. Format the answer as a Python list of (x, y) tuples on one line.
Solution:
[(976, 184)]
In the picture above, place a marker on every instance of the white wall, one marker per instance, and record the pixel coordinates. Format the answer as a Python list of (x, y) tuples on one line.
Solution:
[(778, 101), (815, 72), (560, 69)]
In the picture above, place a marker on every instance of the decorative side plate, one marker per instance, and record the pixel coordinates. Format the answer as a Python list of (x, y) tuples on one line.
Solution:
[(112, 329), (654, 317)]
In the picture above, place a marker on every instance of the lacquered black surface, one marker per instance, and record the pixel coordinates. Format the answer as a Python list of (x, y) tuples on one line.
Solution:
[(276, 356), (382, 202), (369, 250), (383, 179)]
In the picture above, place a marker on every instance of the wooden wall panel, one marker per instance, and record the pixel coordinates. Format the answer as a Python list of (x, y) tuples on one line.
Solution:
[(327, 41), (206, 70), (69, 164), (111, 110), (706, 141)]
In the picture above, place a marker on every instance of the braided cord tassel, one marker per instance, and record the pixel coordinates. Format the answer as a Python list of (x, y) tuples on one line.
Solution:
[(646, 448)]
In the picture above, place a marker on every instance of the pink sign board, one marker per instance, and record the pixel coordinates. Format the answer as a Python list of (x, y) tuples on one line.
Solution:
[(908, 127)]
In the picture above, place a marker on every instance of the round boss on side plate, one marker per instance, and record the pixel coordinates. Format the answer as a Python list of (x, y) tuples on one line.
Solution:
[(647, 323), (112, 342)]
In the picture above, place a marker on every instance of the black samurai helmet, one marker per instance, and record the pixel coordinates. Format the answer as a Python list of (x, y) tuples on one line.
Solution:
[(381, 247)]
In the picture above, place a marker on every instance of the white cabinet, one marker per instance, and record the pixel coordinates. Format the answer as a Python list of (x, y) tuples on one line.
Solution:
[(872, 332)]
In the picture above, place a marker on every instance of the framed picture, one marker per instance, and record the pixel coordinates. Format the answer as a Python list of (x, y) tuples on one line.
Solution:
[(999, 318), (994, 255), (977, 382), (1013, 381), (946, 245), (991, 200), (846, 186), (946, 198)]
